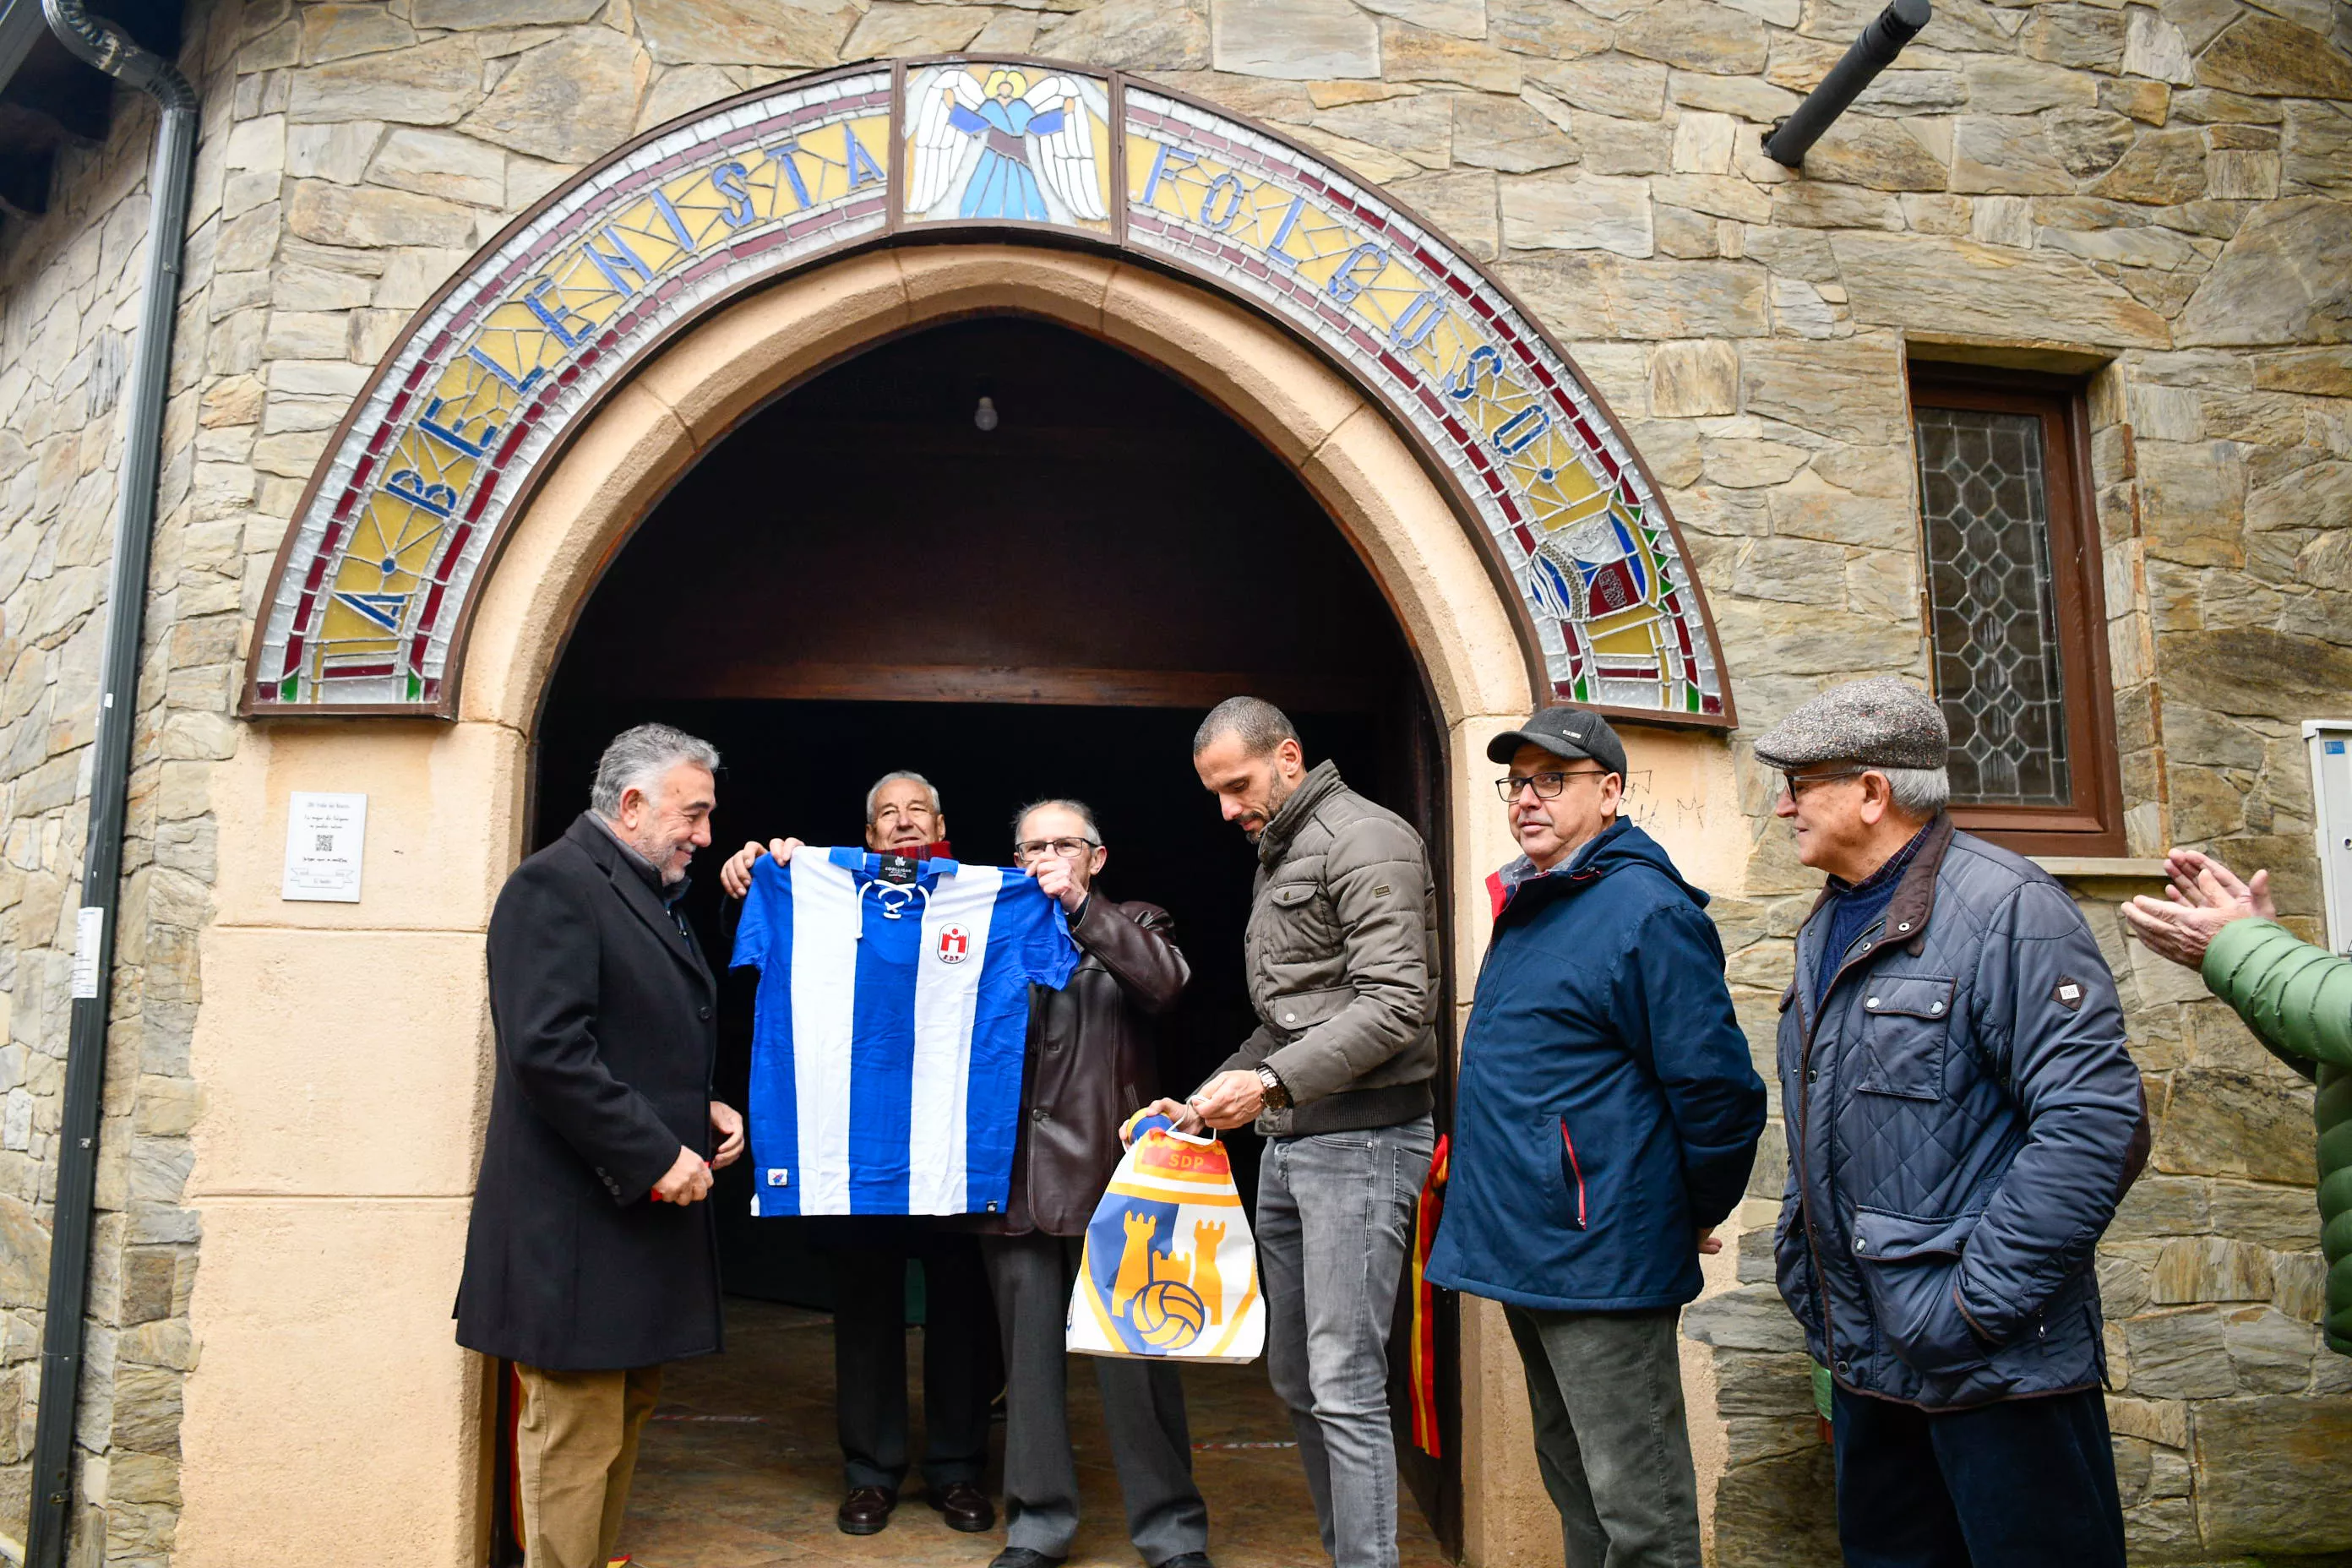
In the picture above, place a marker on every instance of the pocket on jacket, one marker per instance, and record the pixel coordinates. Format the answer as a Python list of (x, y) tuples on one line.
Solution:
[(1302, 1010), (1906, 1020), (1909, 1267), (1298, 922), (1572, 1179)]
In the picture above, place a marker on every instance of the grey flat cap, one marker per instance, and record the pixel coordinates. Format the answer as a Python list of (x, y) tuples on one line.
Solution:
[(1882, 722)]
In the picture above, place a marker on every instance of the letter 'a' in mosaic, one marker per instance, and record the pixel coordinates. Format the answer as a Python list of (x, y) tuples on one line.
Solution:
[(368, 609)]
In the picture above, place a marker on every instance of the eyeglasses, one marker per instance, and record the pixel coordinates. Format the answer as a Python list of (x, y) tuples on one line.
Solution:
[(1067, 848), (1547, 786), (1793, 786)]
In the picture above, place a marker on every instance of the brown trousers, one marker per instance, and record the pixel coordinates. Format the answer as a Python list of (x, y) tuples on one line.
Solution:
[(573, 1455)]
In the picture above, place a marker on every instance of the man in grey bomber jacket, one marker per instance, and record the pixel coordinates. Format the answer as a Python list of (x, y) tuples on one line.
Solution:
[(1342, 961)]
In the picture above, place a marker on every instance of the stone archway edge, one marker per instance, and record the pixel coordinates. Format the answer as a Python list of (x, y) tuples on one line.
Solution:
[(368, 607)]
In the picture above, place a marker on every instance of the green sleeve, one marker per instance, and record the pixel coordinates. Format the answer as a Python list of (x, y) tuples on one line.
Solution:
[(2298, 998)]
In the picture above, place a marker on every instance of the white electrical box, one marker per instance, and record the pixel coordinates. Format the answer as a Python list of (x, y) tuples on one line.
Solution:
[(2330, 741)]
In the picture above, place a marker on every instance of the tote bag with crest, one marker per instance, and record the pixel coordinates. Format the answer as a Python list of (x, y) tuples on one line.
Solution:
[(1170, 1272)]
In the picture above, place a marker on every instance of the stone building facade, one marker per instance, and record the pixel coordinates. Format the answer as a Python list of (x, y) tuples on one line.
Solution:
[(2153, 199)]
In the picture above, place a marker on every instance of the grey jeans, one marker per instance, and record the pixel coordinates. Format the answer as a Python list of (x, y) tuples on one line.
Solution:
[(1334, 1215), (1607, 1393)]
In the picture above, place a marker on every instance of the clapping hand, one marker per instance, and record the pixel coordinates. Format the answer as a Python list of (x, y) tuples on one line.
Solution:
[(2205, 895)]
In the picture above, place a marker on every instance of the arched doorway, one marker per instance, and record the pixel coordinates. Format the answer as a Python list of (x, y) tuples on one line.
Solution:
[(527, 420), (859, 579)]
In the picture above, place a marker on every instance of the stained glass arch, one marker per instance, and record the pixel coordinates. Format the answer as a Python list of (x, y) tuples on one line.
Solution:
[(365, 611)]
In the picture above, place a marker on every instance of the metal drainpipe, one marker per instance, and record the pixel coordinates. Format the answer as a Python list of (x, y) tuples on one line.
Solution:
[(104, 46), (1868, 55)]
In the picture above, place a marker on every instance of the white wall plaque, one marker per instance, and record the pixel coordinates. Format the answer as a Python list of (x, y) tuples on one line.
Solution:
[(326, 835), (90, 925)]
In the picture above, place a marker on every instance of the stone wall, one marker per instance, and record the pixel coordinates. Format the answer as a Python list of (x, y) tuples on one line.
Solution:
[(2152, 188), (69, 306)]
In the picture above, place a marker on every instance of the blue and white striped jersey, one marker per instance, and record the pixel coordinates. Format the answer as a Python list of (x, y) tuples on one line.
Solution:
[(888, 1031)]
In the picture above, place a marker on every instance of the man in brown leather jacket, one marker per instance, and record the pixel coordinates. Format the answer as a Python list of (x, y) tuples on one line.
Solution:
[(1091, 1062)]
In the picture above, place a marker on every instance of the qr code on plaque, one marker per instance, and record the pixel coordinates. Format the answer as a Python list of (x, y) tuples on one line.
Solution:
[(325, 844)]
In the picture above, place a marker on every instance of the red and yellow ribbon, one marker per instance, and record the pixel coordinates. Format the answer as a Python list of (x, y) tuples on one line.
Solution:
[(1432, 1203)]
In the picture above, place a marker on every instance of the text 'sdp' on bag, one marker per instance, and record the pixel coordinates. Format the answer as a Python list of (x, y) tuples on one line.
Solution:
[(1170, 1272)]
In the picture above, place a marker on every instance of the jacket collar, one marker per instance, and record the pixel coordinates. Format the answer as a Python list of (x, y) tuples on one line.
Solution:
[(1574, 872), (639, 884), (1914, 903), (1908, 913), (1321, 783), (644, 868)]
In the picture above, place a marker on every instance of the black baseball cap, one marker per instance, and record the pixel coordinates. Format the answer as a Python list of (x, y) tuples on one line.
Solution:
[(1564, 732)]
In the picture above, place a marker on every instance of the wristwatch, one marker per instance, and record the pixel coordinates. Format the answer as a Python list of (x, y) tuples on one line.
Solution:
[(1277, 1096)]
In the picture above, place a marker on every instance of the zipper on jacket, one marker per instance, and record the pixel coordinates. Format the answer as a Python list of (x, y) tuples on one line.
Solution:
[(1575, 1171), (1865, 944)]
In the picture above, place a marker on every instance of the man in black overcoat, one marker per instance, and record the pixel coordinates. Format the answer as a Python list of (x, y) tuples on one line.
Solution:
[(590, 1258)]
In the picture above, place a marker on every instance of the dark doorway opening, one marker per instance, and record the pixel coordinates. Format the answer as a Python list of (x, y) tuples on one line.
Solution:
[(864, 578)]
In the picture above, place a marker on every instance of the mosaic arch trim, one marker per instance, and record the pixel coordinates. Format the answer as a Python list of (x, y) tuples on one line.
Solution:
[(367, 610)]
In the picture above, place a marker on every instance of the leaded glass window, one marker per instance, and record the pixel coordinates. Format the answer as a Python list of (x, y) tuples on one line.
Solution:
[(1992, 605)]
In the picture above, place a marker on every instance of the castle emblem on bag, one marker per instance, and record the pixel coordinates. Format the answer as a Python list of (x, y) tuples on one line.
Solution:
[(1168, 1269), (1167, 1300)]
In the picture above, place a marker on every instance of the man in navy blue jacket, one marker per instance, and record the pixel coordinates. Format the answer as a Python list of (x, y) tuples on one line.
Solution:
[(1607, 1117), (1963, 1116)]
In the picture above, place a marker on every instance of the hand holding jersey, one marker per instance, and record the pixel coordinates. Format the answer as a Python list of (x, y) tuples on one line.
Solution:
[(736, 875), (1054, 881)]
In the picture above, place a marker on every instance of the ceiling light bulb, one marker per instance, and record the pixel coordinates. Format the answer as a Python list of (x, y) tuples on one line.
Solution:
[(984, 417)]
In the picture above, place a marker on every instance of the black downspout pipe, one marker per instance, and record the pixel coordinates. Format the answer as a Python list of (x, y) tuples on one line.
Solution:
[(1856, 69), (107, 48)]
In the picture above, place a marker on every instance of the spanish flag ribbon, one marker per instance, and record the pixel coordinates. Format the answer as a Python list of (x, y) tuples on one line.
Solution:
[(1432, 1203)]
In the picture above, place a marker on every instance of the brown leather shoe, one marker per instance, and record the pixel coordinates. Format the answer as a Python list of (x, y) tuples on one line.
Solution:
[(866, 1510), (965, 1506)]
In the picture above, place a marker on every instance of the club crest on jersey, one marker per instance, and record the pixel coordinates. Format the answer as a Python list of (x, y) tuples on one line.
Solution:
[(955, 944)]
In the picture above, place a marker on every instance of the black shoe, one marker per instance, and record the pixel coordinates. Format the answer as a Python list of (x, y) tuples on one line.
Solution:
[(1022, 1557), (1189, 1560), (866, 1510), (965, 1506)]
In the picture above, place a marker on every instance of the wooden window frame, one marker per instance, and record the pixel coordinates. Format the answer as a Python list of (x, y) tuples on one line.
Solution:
[(2093, 824)]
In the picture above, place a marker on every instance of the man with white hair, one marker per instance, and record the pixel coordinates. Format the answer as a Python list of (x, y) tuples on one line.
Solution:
[(591, 1259), (1963, 1116), (869, 1255)]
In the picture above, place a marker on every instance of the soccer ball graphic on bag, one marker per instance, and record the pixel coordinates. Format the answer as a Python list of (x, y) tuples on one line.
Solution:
[(1169, 1271)]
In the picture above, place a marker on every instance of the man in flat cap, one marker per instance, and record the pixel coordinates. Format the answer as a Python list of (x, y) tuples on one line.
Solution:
[(1962, 1117), (1606, 1121)]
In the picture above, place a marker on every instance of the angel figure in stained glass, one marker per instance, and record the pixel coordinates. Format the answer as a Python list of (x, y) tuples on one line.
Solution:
[(1014, 149)]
